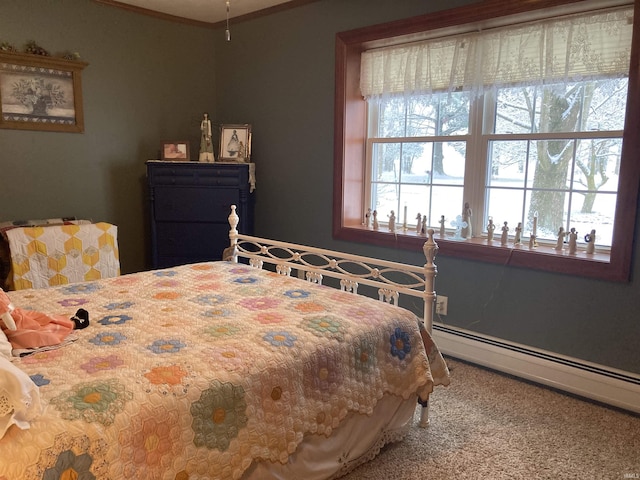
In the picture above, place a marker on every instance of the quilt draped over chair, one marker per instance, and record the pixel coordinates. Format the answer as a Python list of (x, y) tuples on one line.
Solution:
[(50, 255)]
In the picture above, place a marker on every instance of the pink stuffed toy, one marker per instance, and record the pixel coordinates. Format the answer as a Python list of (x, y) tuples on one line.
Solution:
[(27, 329)]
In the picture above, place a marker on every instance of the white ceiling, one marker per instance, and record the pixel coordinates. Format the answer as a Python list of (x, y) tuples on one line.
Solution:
[(209, 11)]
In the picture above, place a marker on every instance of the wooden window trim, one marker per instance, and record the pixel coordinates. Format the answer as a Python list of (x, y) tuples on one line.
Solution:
[(349, 150)]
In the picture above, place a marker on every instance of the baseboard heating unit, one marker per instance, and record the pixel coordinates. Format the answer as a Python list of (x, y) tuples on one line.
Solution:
[(596, 382)]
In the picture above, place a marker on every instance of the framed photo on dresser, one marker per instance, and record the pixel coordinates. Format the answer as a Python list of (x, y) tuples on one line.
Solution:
[(175, 151), (235, 143)]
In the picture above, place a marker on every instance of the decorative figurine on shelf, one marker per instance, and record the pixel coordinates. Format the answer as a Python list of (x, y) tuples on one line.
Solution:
[(590, 238), (206, 145), (441, 226), (419, 222), (459, 224), (517, 240), (376, 225), (560, 241), (466, 218), (392, 221), (490, 229), (505, 234), (573, 241), (423, 230), (533, 243), (404, 220), (367, 218)]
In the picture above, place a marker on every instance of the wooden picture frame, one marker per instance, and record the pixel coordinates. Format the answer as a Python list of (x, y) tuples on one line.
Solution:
[(40, 93), (176, 151), (235, 143)]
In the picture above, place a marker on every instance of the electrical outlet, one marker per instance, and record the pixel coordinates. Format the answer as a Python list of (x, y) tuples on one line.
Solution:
[(442, 303)]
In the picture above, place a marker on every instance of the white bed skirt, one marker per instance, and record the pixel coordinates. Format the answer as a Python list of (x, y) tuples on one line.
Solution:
[(357, 440)]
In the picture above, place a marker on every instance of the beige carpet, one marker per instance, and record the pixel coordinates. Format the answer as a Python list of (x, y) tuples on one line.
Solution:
[(490, 426)]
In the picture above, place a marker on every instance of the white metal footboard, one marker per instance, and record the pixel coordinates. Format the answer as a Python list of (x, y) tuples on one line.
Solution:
[(391, 279)]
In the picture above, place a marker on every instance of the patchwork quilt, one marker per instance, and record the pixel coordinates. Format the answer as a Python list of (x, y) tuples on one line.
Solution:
[(198, 371), (5, 253), (49, 255)]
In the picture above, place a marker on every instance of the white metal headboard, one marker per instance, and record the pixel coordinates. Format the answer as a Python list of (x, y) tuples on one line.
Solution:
[(392, 279)]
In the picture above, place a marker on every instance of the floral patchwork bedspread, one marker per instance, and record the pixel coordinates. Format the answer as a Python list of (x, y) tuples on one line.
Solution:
[(197, 371)]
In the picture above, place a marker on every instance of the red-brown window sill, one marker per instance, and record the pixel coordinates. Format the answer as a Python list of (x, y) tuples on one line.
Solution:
[(543, 257)]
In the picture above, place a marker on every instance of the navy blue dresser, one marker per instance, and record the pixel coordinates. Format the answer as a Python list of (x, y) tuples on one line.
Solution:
[(190, 204)]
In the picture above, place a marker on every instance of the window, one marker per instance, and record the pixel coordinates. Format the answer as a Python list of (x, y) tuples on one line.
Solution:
[(416, 151), (547, 155), (553, 154), (542, 147)]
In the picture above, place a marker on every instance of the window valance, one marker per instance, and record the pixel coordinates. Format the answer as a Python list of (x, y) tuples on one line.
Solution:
[(575, 47)]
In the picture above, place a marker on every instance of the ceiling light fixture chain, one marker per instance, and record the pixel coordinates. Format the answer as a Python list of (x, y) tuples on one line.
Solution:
[(227, 31)]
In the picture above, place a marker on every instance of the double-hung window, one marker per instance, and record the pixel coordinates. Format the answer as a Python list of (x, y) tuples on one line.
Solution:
[(523, 123), (525, 111)]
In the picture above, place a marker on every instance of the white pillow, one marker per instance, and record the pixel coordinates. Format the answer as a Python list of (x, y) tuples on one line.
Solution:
[(19, 397)]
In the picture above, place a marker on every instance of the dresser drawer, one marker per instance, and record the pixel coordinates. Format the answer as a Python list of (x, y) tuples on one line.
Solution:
[(194, 204), (195, 241), (199, 174)]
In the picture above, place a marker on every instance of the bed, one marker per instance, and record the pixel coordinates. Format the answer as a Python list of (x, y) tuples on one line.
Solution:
[(250, 368)]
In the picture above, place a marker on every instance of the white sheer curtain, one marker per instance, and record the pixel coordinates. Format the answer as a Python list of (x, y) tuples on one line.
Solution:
[(576, 47)]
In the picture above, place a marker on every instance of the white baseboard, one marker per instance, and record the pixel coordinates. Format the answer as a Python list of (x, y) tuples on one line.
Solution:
[(596, 382)]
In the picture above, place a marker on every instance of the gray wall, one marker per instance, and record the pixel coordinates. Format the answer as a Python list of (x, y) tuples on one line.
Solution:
[(150, 80), (283, 84)]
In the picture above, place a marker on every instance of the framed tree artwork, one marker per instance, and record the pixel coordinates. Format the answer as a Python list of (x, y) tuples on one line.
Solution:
[(40, 93)]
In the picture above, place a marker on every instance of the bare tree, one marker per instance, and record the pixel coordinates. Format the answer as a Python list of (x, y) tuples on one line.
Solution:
[(559, 112)]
